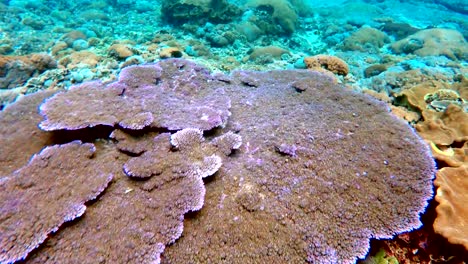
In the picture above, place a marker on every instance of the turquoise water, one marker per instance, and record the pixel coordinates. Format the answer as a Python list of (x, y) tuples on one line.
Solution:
[(387, 47), (223, 34)]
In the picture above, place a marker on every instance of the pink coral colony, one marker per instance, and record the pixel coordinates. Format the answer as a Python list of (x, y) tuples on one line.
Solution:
[(306, 174)]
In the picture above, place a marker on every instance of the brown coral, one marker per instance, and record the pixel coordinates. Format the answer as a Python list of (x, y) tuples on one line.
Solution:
[(120, 51), (16, 70), (171, 52), (330, 63), (444, 128), (452, 212)]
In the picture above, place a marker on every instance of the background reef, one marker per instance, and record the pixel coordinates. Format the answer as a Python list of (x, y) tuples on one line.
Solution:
[(410, 55)]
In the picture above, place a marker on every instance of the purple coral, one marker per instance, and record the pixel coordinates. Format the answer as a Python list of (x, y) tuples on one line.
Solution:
[(143, 97), (315, 171), (37, 199), (18, 126), (349, 171)]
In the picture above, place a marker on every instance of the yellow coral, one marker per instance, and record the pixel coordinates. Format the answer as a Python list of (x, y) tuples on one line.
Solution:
[(330, 63)]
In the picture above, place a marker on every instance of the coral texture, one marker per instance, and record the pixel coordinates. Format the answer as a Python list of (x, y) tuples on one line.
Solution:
[(452, 212), (268, 194), (137, 101), (199, 11), (37, 199), (445, 128), (365, 39), (318, 170), (330, 63), (146, 214), (19, 125)]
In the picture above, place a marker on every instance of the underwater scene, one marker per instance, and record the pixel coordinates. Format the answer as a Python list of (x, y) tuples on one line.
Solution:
[(234, 131)]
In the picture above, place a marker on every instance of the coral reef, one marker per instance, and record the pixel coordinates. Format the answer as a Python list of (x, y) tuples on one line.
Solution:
[(137, 101), (317, 168), (444, 128), (269, 51), (21, 119), (444, 125)]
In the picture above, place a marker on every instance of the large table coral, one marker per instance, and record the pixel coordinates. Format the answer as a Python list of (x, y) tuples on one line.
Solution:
[(316, 172)]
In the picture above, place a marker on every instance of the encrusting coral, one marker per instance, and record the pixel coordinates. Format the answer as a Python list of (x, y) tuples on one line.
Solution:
[(314, 172), (452, 212)]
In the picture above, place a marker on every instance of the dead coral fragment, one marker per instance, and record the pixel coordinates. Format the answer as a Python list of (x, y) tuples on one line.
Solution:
[(330, 63), (452, 212), (37, 199)]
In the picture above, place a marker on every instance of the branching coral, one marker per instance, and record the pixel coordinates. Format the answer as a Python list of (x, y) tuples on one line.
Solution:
[(314, 170)]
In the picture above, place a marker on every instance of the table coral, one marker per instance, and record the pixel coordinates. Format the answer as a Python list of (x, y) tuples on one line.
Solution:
[(170, 185), (37, 199), (317, 173), (135, 103), (19, 125), (265, 197)]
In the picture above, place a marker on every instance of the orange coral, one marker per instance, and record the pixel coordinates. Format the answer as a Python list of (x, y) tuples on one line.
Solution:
[(444, 128), (120, 51), (453, 157), (171, 52), (330, 63), (452, 212)]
